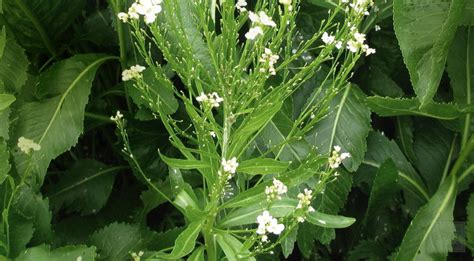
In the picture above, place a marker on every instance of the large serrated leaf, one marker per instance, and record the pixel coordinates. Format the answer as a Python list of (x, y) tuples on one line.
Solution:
[(55, 123), (386, 106), (347, 125), (116, 241), (85, 188), (431, 231), (425, 30), (38, 24), (67, 253), (13, 67)]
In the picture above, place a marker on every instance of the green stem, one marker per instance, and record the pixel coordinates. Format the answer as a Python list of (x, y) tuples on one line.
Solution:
[(98, 117), (465, 153)]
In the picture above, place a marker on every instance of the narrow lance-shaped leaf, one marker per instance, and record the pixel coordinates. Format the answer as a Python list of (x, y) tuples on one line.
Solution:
[(347, 125), (55, 123), (329, 221), (185, 242), (432, 230), (425, 30), (262, 166), (233, 248)]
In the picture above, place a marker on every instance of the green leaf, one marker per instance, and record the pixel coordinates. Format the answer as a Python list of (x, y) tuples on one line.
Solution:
[(468, 15), (38, 25), (347, 125), (29, 219), (433, 146), (431, 232), (470, 223), (460, 68), (184, 163), (288, 242), (6, 100), (386, 106), (380, 148), (262, 166), (67, 253), (45, 121), (331, 202), (232, 247), (116, 241), (248, 215), (85, 188), (329, 221), (4, 162), (404, 136), (197, 255), (185, 242), (383, 190), (425, 32), (13, 67)]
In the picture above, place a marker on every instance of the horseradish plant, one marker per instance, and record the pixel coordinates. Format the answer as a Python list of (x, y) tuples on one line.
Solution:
[(216, 73)]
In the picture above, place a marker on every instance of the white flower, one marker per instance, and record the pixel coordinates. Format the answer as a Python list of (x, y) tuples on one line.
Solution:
[(123, 17), (118, 116), (377, 27), (213, 134), (275, 190), (269, 58), (211, 99), (285, 2), (148, 8), (254, 32), (359, 37), (267, 223), (327, 39), (133, 73), (352, 46), (305, 198), (260, 19), (241, 4), (336, 159), (230, 166), (27, 145), (368, 51), (338, 45)]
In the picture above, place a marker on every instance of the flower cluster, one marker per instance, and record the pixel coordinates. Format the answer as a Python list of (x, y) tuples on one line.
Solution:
[(285, 2), (118, 116), (361, 6), (268, 224), (240, 5), (305, 202), (274, 191), (259, 20), (336, 158), (230, 166), (212, 99), (269, 58), (27, 145), (358, 43), (133, 73), (148, 8)]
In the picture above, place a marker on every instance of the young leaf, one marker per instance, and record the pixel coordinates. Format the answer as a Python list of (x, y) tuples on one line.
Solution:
[(85, 188), (184, 163), (385, 106), (117, 240), (329, 221), (347, 125), (425, 31), (67, 253), (248, 215), (44, 122), (430, 233), (232, 247), (185, 242), (197, 255), (262, 166)]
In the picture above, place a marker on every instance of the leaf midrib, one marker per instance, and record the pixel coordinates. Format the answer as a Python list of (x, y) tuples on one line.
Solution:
[(338, 114), (65, 94)]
